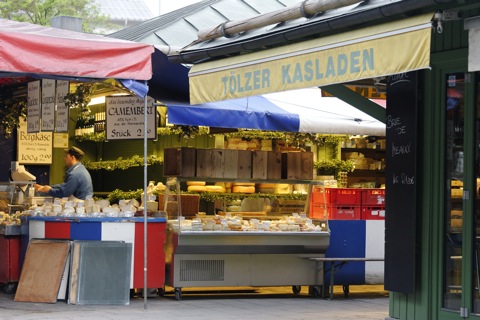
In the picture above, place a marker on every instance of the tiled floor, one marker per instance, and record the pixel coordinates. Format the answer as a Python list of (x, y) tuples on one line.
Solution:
[(363, 302)]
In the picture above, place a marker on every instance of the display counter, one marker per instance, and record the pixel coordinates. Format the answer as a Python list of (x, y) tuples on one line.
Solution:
[(244, 258), (10, 253), (130, 230)]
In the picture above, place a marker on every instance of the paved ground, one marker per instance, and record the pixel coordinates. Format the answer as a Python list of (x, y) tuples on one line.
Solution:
[(363, 302)]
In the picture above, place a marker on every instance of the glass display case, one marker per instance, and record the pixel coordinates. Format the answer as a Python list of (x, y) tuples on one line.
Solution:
[(235, 250)]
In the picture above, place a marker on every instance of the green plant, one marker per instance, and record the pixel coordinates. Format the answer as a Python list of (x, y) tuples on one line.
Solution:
[(334, 166), (10, 114), (120, 163), (118, 194)]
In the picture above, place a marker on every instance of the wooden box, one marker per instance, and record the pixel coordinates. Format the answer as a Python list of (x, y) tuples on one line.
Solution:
[(307, 166), (244, 164), (179, 162), (297, 165), (274, 165), (259, 164), (230, 167), (210, 163)]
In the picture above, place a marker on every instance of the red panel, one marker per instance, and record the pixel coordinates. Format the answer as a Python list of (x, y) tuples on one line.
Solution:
[(10, 259), (156, 255), (57, 230), (4, 260), (14, 265)]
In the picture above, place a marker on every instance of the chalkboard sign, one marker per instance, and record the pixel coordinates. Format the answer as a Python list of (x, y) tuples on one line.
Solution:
[(401, 182)]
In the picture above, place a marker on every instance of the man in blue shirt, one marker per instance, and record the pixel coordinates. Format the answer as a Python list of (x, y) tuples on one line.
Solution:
[(78, 182)]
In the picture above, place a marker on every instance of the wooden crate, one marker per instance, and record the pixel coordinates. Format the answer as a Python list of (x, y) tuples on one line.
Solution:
[(259, 164), (210, 163), (244, 164), (297, 165), (291, 162), (230, 167), (307, 166), (274, 165), (204, 163), (179, 162)]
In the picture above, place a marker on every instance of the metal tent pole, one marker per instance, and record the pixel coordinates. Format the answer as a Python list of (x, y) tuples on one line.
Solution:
[(145, 151)]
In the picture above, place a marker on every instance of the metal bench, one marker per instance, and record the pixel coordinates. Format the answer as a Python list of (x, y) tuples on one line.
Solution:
[(335, 265)]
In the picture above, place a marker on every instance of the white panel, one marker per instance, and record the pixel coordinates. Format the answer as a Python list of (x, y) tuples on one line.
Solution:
[(36, 229), (120, 231), (473, 50), (375, 248)]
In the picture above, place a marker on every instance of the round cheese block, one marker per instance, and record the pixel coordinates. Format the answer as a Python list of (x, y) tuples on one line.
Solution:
[(236, 184), (243, 189), (214, 189), (196, 183), (197, 188), (233, 208)]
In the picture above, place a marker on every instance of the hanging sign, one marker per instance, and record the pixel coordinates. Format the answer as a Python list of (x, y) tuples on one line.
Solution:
[(33, 109), (125, 118), (62, 112), (34, 148), (48, 105)]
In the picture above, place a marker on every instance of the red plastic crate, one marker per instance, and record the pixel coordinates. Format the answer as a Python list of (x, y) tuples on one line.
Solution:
[(346, 197), (345, 213), (373, 197), (317, 211), (320, 195), (373, 213)]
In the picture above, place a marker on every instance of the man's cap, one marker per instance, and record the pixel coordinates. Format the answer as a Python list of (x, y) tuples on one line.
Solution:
[(76, 152)]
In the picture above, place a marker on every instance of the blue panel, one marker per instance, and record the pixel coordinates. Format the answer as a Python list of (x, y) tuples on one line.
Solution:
[(86, 230), (347, 239), (250, 113)]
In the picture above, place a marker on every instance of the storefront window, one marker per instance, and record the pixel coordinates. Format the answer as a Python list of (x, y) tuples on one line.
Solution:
[(452, 291), (476, 246)]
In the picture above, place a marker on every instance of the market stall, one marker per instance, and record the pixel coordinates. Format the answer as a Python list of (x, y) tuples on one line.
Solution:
[(37, 52)]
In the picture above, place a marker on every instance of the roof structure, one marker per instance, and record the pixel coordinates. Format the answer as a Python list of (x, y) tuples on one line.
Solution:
[(178, 29), (125, 10)]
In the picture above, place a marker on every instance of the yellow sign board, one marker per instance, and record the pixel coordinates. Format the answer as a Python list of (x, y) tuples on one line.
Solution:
[(365, 53)]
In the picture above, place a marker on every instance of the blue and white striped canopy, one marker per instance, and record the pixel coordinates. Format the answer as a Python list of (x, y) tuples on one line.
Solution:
[(303, 110)]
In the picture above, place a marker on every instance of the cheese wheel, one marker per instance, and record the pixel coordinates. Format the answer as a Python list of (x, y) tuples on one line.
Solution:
[(243, 189), (196, 183), (247, 184), (233, 208), (266, 185), (214, 189), (196, 188)]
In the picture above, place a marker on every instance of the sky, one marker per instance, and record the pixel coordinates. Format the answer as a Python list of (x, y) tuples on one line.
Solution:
[(167, 5)]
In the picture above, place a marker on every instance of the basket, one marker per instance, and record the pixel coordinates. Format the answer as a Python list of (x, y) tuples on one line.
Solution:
[(190, 205)]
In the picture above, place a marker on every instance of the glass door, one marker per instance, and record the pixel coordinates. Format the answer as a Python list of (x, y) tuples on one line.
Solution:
[(476, 195), (454, 175), (461, 247)]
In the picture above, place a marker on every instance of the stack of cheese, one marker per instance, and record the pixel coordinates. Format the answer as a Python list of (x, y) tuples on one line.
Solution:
[(6, 219), (201, 186), (243, 187), (198, 186)]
